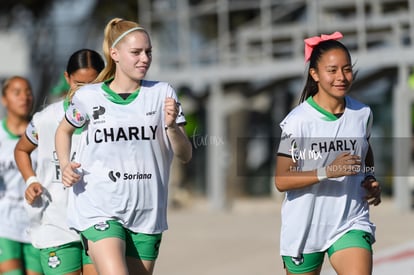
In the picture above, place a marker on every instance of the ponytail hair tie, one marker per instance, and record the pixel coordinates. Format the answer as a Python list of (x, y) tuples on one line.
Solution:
[(311, 42)]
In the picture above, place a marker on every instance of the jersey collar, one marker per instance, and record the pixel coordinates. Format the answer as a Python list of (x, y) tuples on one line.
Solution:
[(115, 98), (327, 115), (11, 135)]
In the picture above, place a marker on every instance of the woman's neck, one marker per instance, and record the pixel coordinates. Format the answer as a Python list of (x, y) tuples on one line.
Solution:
[(16, 125), (123, 86), (331, 104)]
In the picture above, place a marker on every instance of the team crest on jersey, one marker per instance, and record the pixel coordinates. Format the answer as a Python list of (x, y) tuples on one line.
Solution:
[(102, 226), (54, 260)]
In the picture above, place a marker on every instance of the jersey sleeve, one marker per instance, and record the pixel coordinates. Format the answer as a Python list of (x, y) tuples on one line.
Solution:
[(75, 114), (31, 133), (288, 142), (180, 120)]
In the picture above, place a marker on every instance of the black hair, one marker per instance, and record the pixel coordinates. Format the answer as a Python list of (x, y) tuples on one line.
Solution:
[(311, 87), (84, 58)]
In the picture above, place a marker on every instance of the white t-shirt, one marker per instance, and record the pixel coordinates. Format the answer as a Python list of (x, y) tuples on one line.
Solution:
[(314, 217), (49, 214), (13, 216), (125, 157)]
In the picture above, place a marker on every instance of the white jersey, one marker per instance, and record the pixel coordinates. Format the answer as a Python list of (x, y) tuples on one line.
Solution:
[(125, 157), (314, 217), (13, 216), (49, 215)]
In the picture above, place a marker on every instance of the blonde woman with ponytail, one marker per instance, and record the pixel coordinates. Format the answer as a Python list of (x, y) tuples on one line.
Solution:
[(119, 178)]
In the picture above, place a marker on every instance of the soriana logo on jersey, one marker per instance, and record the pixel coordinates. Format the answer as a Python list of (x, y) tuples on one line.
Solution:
[(115, 175), (77, 116)]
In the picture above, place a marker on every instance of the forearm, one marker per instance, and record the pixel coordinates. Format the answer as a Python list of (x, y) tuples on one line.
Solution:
[(63, 140), (290, 180), (180, 143), (22, 156), (24, 163), (289, 177)]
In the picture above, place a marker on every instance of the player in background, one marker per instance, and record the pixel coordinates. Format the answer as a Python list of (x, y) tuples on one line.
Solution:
[(60, 248), (119, 178), (17, 255), (325, 166)]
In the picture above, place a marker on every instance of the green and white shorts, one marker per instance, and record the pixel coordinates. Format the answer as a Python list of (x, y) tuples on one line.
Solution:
[(310, 262), (63, 259), (138, 245)]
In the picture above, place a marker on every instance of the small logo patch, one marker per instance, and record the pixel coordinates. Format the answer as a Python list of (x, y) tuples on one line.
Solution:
[(114, 176), (298, 260), (98, 111), (54, 260), (77, 116), (367, 238), (102, 226)]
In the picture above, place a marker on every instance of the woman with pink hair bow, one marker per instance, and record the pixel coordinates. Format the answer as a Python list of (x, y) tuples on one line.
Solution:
[(325, 167)]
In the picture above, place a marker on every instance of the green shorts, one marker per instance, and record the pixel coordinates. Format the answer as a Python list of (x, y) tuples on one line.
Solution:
[(138, 245), (312, 261), (30, 256), (63, 259)]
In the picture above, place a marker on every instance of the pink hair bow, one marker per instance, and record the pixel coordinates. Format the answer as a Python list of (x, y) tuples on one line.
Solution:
[(311, 42)]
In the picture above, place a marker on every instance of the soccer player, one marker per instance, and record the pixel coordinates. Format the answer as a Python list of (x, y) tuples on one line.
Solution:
[(325, 166), (17, 255), (60, 248), (119, 177)]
